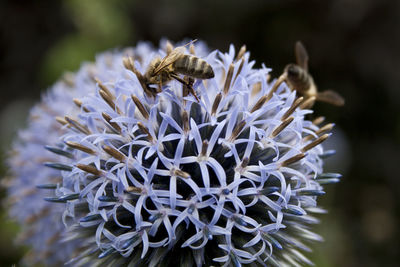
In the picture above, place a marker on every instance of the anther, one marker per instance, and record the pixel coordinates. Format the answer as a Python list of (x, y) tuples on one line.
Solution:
[(185, 121), (295, 104), (259, 103), (146, 131), (276, 85), (181, 174), (316, 142), (228, 79), (326, 128), (80, 127), (204, 148), (281, 127), (109, 100), (241, 52), (317, 121), (61, 120), (78, 103), (108, 119), (133, 189), (104, 88), (239, 69), (237, 130), (140, 106), (80, 147), (308, 102), (90, 169), (130, 65), (215, 105), (293, 159), (114, 153)]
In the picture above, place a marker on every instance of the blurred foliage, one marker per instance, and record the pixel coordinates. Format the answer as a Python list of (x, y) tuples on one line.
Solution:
[(353, 47), (99, 25)]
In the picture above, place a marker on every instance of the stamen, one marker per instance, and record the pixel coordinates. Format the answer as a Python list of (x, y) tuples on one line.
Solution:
[(204, 148), (146, 131), (256, 88), (80, 127), (109, 100), (228, 79), (237, 130), (245, 162), (114, 153), (185, 121), (80, 147), (140, 106), (130, 65), (241, 52), (259, 103), (133, 189), (326, 128), (276, 85), (316, 142), (108, 119), (90, 169), (308, 102), (295, 104), (104, 88), (61, 120), (293, 159), (281, 127), (317, 121), (78, 103), (215, 105), (181, 174), (239, 69)]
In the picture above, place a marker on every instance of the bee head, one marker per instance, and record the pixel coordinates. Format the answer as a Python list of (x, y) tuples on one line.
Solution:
[(292, 70)]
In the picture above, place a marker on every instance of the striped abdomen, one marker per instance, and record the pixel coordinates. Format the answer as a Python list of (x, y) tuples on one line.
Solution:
[(193, 66)]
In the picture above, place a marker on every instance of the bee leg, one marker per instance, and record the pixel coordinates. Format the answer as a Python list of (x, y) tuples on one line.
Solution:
[(189, 87), (188, 84), (159, 86)]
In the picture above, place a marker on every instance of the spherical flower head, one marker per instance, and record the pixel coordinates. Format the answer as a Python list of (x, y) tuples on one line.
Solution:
[(160, 175), (30, 181)]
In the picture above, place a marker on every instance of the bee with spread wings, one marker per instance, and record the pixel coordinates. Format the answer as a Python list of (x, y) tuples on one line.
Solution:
[(298, 78)]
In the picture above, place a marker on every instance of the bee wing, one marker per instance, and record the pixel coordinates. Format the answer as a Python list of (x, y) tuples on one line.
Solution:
[(172, 57), (301, 55), (330, 97), (169, 59)]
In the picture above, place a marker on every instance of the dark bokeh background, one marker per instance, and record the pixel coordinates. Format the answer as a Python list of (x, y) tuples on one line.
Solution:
[(353, 47)]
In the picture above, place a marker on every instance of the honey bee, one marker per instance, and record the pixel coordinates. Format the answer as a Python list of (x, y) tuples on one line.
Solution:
[(161, 71), (298, 78)]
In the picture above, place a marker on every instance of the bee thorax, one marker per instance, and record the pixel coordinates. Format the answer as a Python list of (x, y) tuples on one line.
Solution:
[(298, 78)]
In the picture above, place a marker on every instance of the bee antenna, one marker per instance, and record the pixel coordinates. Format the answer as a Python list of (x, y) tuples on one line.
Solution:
[(191, 42)]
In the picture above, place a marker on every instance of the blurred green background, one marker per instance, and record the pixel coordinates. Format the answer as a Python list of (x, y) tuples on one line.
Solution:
[(353, 47)]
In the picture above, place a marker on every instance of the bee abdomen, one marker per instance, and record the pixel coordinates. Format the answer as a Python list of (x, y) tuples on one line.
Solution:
[(193, 66)]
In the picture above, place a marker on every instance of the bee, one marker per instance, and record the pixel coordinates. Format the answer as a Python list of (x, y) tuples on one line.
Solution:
[(298, 78), (161, 71)]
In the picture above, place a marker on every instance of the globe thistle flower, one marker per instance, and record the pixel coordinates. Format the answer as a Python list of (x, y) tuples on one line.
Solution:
[(41, 221), (157, 177)]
